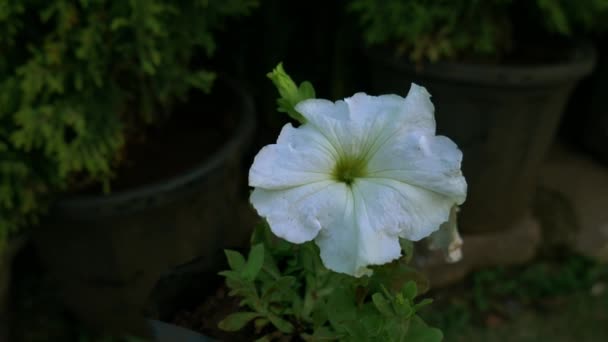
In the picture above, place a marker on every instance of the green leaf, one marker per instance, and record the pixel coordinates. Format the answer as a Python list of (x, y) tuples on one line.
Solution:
[(235, 260), (372, 320), (382, 304), (260, 323), (201, 79), (254, 264), (408, 249), (233, 275), (290, 94), (409, 290), (307, 258), (237, 321), (263, 234), (264, 338), (420, 332), (283, 284), (404, 309), (270, 266), (355, 331), (118, 23), (260, 233), (306, 90), (321, 334), (397, 329), (281, 324), (395, 275), (423, 303)]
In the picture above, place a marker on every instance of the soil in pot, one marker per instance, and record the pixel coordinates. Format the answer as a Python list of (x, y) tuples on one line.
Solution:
[(176, 200)]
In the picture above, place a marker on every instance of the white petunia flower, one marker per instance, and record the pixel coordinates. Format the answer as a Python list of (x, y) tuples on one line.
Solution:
[(357, 176)]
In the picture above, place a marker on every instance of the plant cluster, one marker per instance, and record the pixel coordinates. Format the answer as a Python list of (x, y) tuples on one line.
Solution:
[(286, 287), (330, 261), (79, 80), (499, 290), (438, 30), (543, 279)]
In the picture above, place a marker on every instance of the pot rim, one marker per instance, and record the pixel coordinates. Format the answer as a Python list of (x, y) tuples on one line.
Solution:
[(163, 191), (164, 331), (580, 62)]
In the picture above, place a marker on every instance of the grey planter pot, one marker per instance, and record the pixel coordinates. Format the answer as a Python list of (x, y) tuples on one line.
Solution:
[(595, 131), (106, 252), (165, 332), (502, 117)]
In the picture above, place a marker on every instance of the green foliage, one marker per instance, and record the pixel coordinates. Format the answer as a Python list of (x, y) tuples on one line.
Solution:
[(567, 17), (433, 30), (538, 280), (285, 288), (78, 79), (290, 94), (444, 29), (507, 292)]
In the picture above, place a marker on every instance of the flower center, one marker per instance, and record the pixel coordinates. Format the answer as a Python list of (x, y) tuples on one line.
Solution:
[(347, 169)]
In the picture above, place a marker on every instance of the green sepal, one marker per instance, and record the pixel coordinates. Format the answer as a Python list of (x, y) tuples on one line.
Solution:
[(290, 93)]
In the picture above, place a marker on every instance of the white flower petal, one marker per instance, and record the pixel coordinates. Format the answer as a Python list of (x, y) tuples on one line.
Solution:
[(418, 110), (414, 112), (301, 156), (349, 136), (430, 162), (361, 124), (377, 213), (397, 208), (297, 214), (353, 243), (317, 110), (363, 107), (331, 119), (447, 239)]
